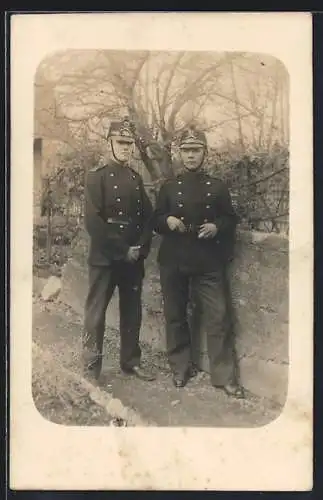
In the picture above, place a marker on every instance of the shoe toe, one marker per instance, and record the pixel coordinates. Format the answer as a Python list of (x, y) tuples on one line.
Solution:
[(179, 382), (235, 391), (142, 374)]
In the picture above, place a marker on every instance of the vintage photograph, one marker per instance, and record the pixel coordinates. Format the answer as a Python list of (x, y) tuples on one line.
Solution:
[(160, 238)]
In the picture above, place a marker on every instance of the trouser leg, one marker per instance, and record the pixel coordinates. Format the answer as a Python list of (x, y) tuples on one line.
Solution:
[(211, 304), (175, 290), (101, 287), (130, 278), (231, 322)]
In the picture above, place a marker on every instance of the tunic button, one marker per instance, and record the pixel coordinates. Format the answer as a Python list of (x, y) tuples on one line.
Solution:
[(112, 174), (208, 194), (120, 213), (180, 205), (115, 187), (180, 192), (208, 206), (206, 220), (137, 188), (138, 213), (138, 227), (118, 199), (138, 201), (133, 176), (182, 218), (208, 183), (121, 226), (179, 182)]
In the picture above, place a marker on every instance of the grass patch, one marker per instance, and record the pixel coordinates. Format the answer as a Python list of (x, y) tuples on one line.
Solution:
[(57, 395)]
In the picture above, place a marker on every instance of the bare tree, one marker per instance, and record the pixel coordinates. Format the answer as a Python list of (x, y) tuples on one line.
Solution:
[(161, 93)]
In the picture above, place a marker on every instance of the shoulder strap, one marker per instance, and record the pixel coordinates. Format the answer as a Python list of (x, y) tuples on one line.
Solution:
[(96, 168)]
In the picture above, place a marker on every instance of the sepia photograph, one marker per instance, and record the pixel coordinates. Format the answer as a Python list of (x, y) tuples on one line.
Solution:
[(160, 237), (161, 252)]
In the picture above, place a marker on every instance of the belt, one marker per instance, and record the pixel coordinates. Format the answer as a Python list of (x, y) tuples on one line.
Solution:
[(193, 228), (113, 220)]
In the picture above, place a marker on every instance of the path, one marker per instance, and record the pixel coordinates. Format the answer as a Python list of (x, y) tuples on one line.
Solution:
[(58, 329)]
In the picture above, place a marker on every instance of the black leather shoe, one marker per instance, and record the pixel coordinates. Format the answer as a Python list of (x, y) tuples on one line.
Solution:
[(193, 371), (179, 382), (233, 391), (139, 373)]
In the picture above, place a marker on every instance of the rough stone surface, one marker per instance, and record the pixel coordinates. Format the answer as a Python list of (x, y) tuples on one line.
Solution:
[(261, 298), (265, 378), (51, 289), (38, 285), (259, 280), (116, 408)]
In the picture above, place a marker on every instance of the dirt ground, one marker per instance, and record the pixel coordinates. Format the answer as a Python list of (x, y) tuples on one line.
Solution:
[(56, 337)]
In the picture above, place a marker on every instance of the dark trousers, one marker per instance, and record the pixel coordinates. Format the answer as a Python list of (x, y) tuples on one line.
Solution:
[(102, 282), (209, 293)]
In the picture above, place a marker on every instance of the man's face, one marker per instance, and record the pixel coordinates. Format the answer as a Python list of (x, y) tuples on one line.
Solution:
[(122, 149), (192, 156)]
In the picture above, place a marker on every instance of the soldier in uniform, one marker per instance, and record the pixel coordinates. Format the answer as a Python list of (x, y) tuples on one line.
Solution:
[(195, 217), (117, 219)]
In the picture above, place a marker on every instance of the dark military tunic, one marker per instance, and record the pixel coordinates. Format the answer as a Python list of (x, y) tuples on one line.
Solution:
[(195, 198), (117, 212), (196, 268), (117, 216)]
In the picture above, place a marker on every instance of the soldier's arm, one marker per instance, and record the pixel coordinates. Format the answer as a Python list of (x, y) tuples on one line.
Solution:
[(102, 234), (146, 237), (226, 218), (161, 212)]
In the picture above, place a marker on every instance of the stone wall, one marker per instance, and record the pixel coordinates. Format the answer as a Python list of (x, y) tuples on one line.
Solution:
[(260, 289), (259, 280)]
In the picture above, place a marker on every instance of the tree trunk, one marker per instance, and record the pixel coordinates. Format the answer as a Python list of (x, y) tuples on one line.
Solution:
[(148, 162)]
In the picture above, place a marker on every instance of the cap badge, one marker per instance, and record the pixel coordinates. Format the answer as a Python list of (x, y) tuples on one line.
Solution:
[(191, 134)]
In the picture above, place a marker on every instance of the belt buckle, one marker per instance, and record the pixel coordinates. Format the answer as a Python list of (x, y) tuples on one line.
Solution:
[(114, 220), (192, 228)]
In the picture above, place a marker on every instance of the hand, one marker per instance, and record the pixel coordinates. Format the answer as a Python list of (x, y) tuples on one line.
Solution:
[(175, 224), (133, 254), (208, 230)]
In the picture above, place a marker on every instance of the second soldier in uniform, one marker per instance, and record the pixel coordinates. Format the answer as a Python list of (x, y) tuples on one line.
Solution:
[(117, 216), (197, 222)]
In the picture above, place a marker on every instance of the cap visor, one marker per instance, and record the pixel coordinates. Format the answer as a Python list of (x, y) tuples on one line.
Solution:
[(123, 138), (190, 145)]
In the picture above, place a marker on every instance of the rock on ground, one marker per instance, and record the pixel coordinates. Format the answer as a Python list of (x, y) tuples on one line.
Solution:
[(52, 289), (38, 285)]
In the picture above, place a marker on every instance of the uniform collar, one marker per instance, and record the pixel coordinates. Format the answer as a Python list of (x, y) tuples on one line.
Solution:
[(116, 165), (200, 172)]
